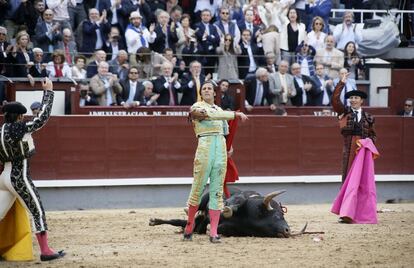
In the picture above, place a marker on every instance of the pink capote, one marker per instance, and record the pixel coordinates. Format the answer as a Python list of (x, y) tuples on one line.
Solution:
[(357, 198)]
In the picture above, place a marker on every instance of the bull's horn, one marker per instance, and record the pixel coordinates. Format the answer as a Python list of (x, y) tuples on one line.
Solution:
[(269, 197), (301, 231)]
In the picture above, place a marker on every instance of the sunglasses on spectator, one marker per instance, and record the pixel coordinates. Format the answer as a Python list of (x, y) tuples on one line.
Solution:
[(133, 72), (408, 105), (227, 39), (225, 13)]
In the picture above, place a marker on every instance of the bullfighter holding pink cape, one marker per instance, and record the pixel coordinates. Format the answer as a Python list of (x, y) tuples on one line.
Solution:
[(356, 201)]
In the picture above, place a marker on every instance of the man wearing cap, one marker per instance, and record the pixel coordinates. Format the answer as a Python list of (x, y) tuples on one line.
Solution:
[(355, 123), (36, 107), (16, 148), (137, 35)]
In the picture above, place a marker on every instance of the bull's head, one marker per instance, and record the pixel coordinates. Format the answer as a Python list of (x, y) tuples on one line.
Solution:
[(283, 228)]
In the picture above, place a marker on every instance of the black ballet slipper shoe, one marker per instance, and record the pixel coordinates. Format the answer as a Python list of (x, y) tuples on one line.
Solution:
[(215, 239), (188, 237), (345, 220), (57, 255)]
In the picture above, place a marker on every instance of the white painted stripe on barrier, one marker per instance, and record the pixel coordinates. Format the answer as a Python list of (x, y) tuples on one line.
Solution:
[(189, 180)]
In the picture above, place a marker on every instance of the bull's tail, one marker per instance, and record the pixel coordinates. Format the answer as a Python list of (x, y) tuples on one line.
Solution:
[(174, 222)]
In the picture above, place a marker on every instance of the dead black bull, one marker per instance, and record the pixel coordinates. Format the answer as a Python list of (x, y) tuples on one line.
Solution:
[(246, 213)]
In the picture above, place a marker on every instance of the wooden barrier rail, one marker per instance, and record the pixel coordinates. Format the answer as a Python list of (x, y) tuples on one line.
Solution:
[(99, 147)]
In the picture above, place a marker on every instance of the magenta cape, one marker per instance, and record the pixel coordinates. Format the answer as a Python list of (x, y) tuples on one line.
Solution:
[(357, 198)]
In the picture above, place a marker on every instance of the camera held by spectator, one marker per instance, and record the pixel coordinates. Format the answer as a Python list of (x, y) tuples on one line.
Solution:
[(86, 95)]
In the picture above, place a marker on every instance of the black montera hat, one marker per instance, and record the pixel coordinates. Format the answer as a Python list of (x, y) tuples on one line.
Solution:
[(14, 108), (359, 93)]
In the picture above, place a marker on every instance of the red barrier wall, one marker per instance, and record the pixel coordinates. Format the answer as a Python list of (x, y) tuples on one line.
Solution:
[(88, 147)]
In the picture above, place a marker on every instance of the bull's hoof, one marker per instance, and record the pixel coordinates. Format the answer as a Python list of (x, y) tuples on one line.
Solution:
[(215, 239), (152, 222), (227, 212), (188, 237)]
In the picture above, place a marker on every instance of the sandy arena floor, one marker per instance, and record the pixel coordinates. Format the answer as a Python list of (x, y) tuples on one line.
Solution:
[(123, 238)]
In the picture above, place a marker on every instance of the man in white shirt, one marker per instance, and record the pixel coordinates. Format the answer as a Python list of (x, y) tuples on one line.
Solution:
[(331, 58), (281, 85), (167, 85), (324, 84), (346, 32), (131, 89), (137, 35)]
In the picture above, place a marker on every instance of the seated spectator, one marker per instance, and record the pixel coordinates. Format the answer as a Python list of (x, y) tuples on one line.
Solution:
[(35, 107), (92, 68), (228, 51), (58, 67), (235, 8), (248, 23), (209, 39), (306, 90), (131, 90), (192, 51), (352, 61), (212, 6), (167, 85), (86, 95), (148, 97), (60, 9), (227, 101), (349, 85), (137, 35), (257, 90), (185, 34), (292, 33), (166, 35), (191, 84), (176, 13), (251, 55), (68, 46), (105, 86), (144, 62), (331, 58), (94, 31), (304, 56), (347, 31), (120, 65), (271, 42), (316, 38), (281, 85), (21, 55), (5, 68), (38, 68), (281, 111), (408, 108), (48, 34), (259, 12), (320, 8), (271, 65), (225, 26), (325, 86), (143, 8), (114, 44), (27, 14), (78, 69)]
